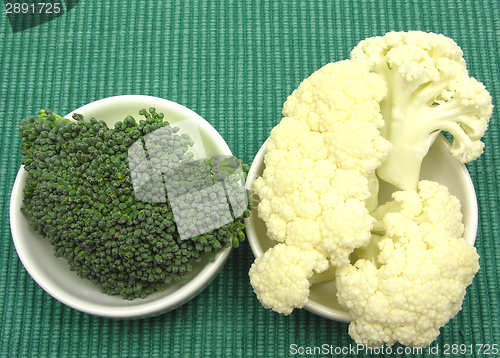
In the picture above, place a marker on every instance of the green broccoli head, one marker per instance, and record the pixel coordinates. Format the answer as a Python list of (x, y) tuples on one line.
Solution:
[(117, 214)]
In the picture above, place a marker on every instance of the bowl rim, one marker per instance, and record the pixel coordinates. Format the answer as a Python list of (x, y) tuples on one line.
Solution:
[(152, 308), (318, 308)]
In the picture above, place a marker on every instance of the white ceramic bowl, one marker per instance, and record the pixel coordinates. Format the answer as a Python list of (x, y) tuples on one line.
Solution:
[(53, 274), (438, 166)]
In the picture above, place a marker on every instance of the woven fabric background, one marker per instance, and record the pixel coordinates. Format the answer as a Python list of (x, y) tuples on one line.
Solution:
[(234, 62)]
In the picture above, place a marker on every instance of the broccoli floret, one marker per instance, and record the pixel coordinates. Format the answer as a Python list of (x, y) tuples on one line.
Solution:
[(123, 205)]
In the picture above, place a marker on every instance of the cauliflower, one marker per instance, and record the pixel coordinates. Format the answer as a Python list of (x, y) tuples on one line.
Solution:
[(429, 91), (316, 181), (289, 268), (401, 268), (417, 281), (433, 207)]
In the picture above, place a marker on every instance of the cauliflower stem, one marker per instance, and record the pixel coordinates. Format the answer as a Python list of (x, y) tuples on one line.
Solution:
[(429, 91)]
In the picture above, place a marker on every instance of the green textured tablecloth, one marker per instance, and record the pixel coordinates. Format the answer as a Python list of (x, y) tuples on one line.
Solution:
[(234, 62)]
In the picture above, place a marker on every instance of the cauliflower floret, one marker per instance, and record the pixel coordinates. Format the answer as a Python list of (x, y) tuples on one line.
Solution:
[(348, 184), (344, 228), (402, 268), (417, 280), (363, 149), (337, 92), (432, 207), (289, 134), (280, 277), (440, 210), (304, 233), (304, 176), (417, 291), (320, 162), (429, 91)]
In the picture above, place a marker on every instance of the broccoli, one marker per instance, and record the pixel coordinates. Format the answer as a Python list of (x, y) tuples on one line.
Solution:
[(128, 219)]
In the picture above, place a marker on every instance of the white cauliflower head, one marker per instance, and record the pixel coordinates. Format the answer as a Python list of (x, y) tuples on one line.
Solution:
[(320, 161), (429, 91), (401, 268), (280, 277), (417, 281), (337, 92), (305, 158)]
